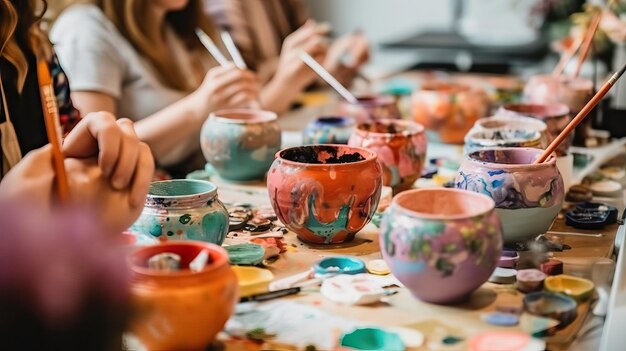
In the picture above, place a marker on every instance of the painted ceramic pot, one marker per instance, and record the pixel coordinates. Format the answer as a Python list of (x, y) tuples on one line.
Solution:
[(442, 244), (328, 130), (547, 89), (528, 196), (556, 116), (181, 310), (371, 108), (325, 193), (183, 209), (511, 121), (449, 110), (240, 144), (400, 146)]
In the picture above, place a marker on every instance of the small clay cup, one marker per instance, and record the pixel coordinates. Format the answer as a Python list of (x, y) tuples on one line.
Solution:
[(181, 310), (325, 193), (240, 144), (448, 110), (400, 146), (528, 196), (370, 108), (328, 130), (442, 244)]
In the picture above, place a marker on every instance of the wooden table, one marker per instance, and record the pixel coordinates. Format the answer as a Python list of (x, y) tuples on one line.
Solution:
[(402, 309)]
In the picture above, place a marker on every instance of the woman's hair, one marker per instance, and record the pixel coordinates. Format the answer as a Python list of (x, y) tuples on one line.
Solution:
[(129, 16), (18, 27)]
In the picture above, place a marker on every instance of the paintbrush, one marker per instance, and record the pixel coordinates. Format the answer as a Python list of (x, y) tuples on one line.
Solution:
[(232, 50), (51, 116), (271, 295), (208, 43), (591, 31), (581, 115), (326, 76), (566, 57)]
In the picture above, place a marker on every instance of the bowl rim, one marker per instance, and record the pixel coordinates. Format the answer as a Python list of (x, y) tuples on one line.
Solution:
[(510, 116), (412, 128), (214, 265), (254, 116), (210, 192), (560, 110), (370, 156), (475, 213), (548, 163)]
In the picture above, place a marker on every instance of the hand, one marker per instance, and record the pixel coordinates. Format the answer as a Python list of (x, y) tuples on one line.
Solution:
[(124, 160), (228, 87), (291, 69), (346, 56)]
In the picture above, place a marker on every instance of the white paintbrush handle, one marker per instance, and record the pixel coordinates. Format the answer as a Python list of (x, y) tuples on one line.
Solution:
[(211, 47), (325, 75), (233, 51)]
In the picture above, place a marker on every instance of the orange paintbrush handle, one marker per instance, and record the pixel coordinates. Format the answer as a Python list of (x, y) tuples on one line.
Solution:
[(51, 116), (591, 31), (566, 57), (581, 115)]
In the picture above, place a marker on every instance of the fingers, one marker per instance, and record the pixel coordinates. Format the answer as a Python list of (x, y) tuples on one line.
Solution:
[(143, 175), (128, 154)]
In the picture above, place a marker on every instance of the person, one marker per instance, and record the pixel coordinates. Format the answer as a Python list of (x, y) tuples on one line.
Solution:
[(263, 30), (142, 58), (108, 166)]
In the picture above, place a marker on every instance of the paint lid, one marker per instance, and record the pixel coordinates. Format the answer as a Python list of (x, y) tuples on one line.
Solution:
[(339, 265)]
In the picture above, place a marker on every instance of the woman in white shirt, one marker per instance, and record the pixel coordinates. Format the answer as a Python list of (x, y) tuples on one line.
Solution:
[(141, 59)]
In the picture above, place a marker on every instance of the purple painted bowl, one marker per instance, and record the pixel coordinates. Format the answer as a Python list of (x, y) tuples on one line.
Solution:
[(528, 196), (442, 244)]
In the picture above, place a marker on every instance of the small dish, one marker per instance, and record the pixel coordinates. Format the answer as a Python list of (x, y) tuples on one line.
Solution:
[(339, 265), (555, 306), (252, 280), (579, 289)]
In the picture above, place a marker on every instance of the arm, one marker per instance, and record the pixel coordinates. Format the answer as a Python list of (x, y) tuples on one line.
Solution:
[(223, 87)]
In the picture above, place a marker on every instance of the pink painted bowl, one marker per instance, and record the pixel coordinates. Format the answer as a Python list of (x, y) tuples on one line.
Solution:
[(325, 193), (556, 116), (528, 196), (370, 108), (442, 244), (449, 110), (573, 92), (400, 146)]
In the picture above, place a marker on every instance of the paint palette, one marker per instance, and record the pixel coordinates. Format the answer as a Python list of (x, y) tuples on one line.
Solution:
[(591, 215)]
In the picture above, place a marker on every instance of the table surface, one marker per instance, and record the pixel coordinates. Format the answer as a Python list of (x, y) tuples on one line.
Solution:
[(403, 309)]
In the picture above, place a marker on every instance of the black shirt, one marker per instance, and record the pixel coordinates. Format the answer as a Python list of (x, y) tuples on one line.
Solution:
[(25, 109)]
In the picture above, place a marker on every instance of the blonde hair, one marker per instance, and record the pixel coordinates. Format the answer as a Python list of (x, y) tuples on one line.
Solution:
[(130, 19)]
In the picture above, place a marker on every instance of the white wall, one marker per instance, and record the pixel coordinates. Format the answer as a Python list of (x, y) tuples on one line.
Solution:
[(382, 20)]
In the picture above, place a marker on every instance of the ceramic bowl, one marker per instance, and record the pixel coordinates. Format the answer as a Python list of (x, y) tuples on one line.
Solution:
[(573, 92), (556, 116), (579, 289), (252, 280), (448, 110), (551, 305), (511, 121), (328, 130), (400, 146), (183, 209), (370, 108), (442, 244), (528, 196), (181, 310), (240, 144), (325, 193)]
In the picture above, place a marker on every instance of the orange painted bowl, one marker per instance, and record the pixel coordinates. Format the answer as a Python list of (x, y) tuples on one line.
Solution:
[(325, 193), (577, 288), (400, 146), (371, 108), (181, 310), (449, 110)]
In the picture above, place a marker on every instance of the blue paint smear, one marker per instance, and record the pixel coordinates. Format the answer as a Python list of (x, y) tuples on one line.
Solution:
[(492, 173), (497, 183)]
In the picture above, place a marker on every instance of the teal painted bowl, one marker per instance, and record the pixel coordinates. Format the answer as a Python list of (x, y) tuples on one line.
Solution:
[(240, 144), (183, 209)]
